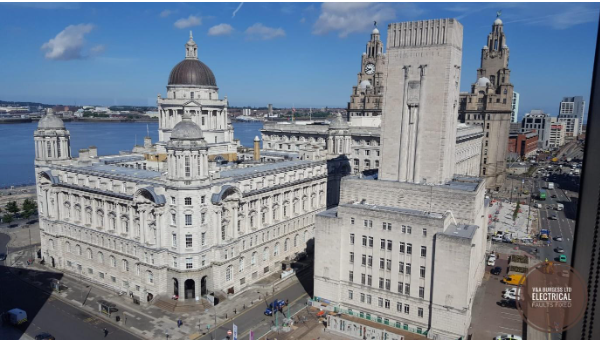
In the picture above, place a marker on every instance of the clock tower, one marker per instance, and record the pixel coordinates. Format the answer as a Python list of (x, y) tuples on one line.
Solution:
[(366, 100)]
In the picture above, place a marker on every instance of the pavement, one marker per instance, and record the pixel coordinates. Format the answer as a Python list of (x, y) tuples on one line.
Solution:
[(306, 327)]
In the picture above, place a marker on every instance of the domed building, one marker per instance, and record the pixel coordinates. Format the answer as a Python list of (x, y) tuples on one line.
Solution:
[(192, 88)]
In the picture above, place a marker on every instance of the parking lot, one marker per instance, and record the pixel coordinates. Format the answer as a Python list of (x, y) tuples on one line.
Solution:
[(489, 318)]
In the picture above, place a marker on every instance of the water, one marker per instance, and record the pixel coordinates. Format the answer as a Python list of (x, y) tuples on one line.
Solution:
[(17, 151)]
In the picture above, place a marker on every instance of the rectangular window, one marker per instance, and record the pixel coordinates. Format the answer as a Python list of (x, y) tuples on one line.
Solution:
[(187, 166), (380, 302), (423, 251), (401, 247), (350, 294), (388, 284), (401, 267), (424, 232), (351, 276), (388, 264), (364, 240), (202, 217), (188, 201), (399, 307), (381, 263), (381, 282), (363, 279), (370, 261), (203, 238), (382, 244), (406, 288), (368, 299), (174, 242), (202, 199), (369, 280), (188, 263), (408, 229), (175, 262), (389, 245), (364, 260), (408, 248), (188, 219), (370, 241), (362, 298), (408, 267), (351, 238), (352, 221), (422, 272), (203, 260), (387, 304), (403, 229), (406, 309), (173, 219), (401, 287), (351, 257), (421, 292), (188, 240), (420, 312)]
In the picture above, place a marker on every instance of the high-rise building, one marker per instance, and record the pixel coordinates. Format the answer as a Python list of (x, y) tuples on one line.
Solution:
[(557, 133), (405, 251), (571, 111), (538, 120), (366, 100), (514, 114), (489, 104)]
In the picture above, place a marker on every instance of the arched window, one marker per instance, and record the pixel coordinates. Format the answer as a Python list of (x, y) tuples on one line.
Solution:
[(68, 247), (242, 260), (150, 277), (276, 250), (228, 273), (100, 258), (253, 259), (113, 261), (89, 254), (296, 240), (78, 250), (286, 245), (265, 254), (125, 265)]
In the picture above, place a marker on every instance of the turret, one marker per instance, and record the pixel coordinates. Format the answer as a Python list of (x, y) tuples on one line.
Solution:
[(52, 139), (187, 152)]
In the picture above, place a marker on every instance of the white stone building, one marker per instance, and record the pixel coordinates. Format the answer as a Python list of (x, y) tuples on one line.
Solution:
[(407, 249), (182, 226), (556, 138)]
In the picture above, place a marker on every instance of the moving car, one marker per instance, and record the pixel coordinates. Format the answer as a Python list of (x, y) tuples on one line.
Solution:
[(514, 279), (562, 258), (496, 270), (492, 260), (559, 250), (558, 238), (508, 337), (553, 217), (553, 196)]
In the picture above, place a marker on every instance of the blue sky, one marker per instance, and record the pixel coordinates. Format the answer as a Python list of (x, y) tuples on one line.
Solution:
[(302, 54)]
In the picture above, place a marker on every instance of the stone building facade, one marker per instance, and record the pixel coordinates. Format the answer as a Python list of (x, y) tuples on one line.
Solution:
[(489, 104), (190, 228), (366, 100), (407, 249), (192, 88)]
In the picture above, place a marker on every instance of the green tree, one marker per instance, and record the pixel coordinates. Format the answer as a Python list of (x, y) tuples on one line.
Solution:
[(12, 207), (29, 205), (28, 213), (7, 218), (516, 212)]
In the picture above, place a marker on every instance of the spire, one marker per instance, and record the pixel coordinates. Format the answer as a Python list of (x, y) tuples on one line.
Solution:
[(191, 48), (191, 36)]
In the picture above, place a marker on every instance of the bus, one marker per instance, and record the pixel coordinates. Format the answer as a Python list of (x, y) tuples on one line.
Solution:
[(542, 194)]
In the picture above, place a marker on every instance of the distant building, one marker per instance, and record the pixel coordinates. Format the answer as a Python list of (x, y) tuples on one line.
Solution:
[(539, 121), (557, 133), (152, 114), (523, 144), (571, 112), (514, 114)]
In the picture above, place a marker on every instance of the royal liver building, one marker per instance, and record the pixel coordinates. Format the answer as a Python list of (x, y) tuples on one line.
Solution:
[(166, 219)]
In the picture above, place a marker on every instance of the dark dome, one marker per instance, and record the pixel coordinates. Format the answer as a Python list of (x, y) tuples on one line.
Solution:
[(192, 72)]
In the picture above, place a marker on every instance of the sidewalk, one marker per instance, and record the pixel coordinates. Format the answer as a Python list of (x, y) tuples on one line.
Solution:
[(148, 322)]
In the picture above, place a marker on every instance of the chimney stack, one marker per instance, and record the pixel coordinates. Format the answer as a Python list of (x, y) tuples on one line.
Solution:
[(84, 154), (93, 152), (147, 142), (256, 148)]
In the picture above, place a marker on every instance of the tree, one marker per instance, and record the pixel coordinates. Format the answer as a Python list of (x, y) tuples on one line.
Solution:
[(29, 205), (8, 218), (12, 207), (516, 212)]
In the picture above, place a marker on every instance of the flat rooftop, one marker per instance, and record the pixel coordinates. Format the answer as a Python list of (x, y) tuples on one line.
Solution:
[(407, 211), (264, 168), (460, 231), (122, 171)]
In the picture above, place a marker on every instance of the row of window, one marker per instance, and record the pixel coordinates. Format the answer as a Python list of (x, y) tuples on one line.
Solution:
[(386, 284), (385, 303)]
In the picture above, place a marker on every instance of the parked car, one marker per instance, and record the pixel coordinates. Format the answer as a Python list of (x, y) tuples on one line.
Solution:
[(508, 337), (562, 258), (511, 290), (497, 238), (44, 336), (496, 270), (559, 250), (507, 303), (492, 260), (509, 295)]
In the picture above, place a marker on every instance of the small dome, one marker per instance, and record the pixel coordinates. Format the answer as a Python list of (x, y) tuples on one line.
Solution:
[(375, 31), (364, 84), (338, 122), (498, 21), (192, 72), (50, 121), (186, 129), (483, 81)]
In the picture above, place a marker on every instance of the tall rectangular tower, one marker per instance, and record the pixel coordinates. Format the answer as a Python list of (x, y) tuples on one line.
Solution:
[(514, 114), (571, 111), (421, 101)]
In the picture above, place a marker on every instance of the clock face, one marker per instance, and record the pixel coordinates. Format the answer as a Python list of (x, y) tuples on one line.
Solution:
[(370, 69)]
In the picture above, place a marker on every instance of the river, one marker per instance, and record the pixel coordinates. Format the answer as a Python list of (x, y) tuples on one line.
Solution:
[(17, 151)]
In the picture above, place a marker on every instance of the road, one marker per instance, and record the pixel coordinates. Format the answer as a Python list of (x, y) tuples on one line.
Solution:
[(254, 318), (46, 313)]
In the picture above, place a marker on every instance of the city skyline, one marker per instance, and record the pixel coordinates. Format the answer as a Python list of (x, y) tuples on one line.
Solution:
[(107, 55)]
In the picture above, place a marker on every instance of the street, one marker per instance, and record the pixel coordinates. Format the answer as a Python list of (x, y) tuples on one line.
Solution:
[(47, 313)]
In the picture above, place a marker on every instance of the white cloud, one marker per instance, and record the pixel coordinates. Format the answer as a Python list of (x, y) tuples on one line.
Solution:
[(237, 9), (262, 32), (347, 18), (68, 44), (98, 49), (166, 13), (220, 30), (188, 22)]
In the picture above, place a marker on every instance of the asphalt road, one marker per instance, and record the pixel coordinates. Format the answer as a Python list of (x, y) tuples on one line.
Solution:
[(49, 314), (251, 318)]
